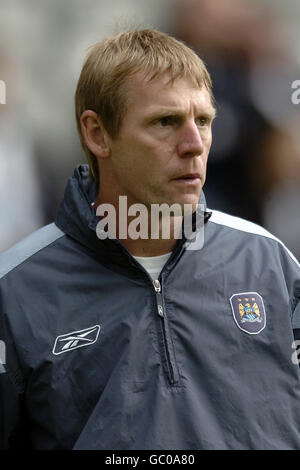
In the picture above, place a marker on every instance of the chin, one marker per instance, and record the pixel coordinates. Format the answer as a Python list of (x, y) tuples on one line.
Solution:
[(191, 208), (187, 205), (189, 199)]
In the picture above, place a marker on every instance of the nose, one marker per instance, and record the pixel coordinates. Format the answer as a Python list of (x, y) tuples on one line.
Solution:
[(190, 141)]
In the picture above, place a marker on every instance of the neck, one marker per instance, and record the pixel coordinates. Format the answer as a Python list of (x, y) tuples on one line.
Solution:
[(149, 247), (142, 234)]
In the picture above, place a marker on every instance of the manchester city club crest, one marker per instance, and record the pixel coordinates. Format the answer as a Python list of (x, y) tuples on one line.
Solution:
[(249, 312)]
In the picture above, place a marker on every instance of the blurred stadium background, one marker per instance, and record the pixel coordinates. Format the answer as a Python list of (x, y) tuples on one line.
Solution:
[(252, 50)]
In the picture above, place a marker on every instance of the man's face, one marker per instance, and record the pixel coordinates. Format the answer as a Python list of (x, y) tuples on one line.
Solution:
[(160, 153)]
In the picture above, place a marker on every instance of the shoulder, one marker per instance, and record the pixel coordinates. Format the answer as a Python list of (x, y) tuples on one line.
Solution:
[(238, 227), (237, 223), (31, 245)]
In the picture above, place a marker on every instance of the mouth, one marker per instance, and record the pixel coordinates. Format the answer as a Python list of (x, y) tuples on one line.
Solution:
[(189, 178)]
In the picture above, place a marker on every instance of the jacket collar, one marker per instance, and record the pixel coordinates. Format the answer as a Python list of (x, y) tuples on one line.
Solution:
[(77, 218)]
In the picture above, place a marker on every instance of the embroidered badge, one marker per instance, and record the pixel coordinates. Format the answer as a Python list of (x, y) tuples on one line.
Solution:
[(249, 312), (76, 339)]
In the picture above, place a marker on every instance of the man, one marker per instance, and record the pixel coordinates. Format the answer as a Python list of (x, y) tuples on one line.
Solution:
[(119, 342)]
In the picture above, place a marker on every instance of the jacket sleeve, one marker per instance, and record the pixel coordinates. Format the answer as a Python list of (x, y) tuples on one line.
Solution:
[(12, 416), (295, 307), (291, 272)]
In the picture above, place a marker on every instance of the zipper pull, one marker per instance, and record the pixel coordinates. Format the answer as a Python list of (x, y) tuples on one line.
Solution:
[(157, 287), (156, 284)]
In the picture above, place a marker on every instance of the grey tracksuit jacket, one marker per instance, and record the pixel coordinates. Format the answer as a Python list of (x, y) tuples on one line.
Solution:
[(95, 355)]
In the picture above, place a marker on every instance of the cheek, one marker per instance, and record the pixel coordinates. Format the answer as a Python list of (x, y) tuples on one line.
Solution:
[(136, 168), (203, 160), (207, 144), (209, 141)]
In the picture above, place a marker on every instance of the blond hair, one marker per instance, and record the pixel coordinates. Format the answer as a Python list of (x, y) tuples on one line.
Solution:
[(101, 85)]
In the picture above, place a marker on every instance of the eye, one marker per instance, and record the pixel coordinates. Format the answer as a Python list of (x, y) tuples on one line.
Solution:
[(202, 121), (165, 121)]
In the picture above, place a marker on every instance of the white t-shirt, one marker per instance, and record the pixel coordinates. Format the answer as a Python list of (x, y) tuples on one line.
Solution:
[(153, 264)]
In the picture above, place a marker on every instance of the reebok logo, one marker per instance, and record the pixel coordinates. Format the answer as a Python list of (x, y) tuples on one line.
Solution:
[(76, 339)]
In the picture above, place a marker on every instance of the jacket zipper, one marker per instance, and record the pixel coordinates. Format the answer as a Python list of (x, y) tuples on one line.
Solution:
[(173, 375), (169, 350)]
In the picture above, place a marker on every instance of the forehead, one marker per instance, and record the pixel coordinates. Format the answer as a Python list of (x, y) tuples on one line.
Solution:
[(144, 95)]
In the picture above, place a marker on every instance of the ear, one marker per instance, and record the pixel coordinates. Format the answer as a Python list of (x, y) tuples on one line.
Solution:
[(94, 134)]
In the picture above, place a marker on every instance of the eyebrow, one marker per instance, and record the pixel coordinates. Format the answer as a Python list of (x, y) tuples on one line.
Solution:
[(164, 112)]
